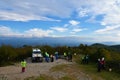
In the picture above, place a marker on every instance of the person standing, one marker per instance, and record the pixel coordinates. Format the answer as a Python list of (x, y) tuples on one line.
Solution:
[(99, 65), (47, 57), (51, 58), (23, 65), (65, 55), (69, 56), (82, 60), (103, 63), (87, 59), (56, 55)]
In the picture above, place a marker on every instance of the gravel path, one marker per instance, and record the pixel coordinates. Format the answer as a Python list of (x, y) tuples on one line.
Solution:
[(32, 69)]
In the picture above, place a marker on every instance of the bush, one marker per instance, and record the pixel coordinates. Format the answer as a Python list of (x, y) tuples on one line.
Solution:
[(115, 65)]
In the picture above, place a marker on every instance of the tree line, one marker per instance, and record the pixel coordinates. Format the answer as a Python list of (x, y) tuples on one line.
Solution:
[(9, 54)]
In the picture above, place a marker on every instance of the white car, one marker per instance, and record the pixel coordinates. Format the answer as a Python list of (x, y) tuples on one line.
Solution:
[(37, 55)]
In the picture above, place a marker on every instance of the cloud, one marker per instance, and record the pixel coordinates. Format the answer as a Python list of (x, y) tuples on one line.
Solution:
[(73, 22), (107, 29), (45, 10), (39, 10), (77, 30), (35, 32), (59, 29), (82, 12), (70, 28), (6, 31), (111, 19), (94, 8), (33, 10), (20, 17)]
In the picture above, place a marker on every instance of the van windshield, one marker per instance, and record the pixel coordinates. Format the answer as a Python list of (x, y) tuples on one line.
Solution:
[(36, 52)]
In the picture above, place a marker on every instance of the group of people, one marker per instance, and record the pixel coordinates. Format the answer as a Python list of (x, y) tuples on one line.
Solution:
[(49, 58), (85, 59), (68, 56), (100, 64)]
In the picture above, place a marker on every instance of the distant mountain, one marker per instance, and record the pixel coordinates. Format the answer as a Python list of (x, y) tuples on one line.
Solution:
[(54, 41), (116, 47), (99, 45), (112, 47), (57, 41)]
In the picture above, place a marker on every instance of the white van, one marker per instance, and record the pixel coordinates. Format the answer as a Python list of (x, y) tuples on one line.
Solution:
[(37, 55)]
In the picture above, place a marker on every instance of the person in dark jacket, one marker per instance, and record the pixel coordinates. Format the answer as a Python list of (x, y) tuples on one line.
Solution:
[(99, 65), (56, 55), (52, 58), (69, 57), (103, 63)]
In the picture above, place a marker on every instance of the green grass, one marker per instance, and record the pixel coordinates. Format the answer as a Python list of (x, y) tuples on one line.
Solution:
[(91, 70)]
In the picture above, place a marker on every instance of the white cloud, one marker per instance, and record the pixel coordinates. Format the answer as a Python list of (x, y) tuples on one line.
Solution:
[(110, 11), (74, 23), (25, 10), (35, 32), (66, 25), (111, 19), (33, 10), (83, 12), (92, 20), (20, 17), (59, 29), (6, 31), (76, 30), (107, 29)]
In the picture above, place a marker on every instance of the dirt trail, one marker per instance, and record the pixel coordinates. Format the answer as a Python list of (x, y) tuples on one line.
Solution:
[(32, 69)]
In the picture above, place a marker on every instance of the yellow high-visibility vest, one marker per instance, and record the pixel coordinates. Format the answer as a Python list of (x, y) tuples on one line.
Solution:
[(23, 63), (65, 54)]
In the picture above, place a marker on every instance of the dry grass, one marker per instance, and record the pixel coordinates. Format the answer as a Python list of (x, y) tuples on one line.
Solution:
[(41, 77), (58, 68), (67, 78)]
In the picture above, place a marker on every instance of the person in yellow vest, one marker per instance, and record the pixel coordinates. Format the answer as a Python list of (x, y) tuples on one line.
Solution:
[(47, 57), (23, 65), (65, 55)]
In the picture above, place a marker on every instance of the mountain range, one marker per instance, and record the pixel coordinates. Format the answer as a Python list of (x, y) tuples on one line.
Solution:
[(52, 41)]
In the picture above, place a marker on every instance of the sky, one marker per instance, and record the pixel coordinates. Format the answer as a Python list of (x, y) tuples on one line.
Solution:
[(94, 20)]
